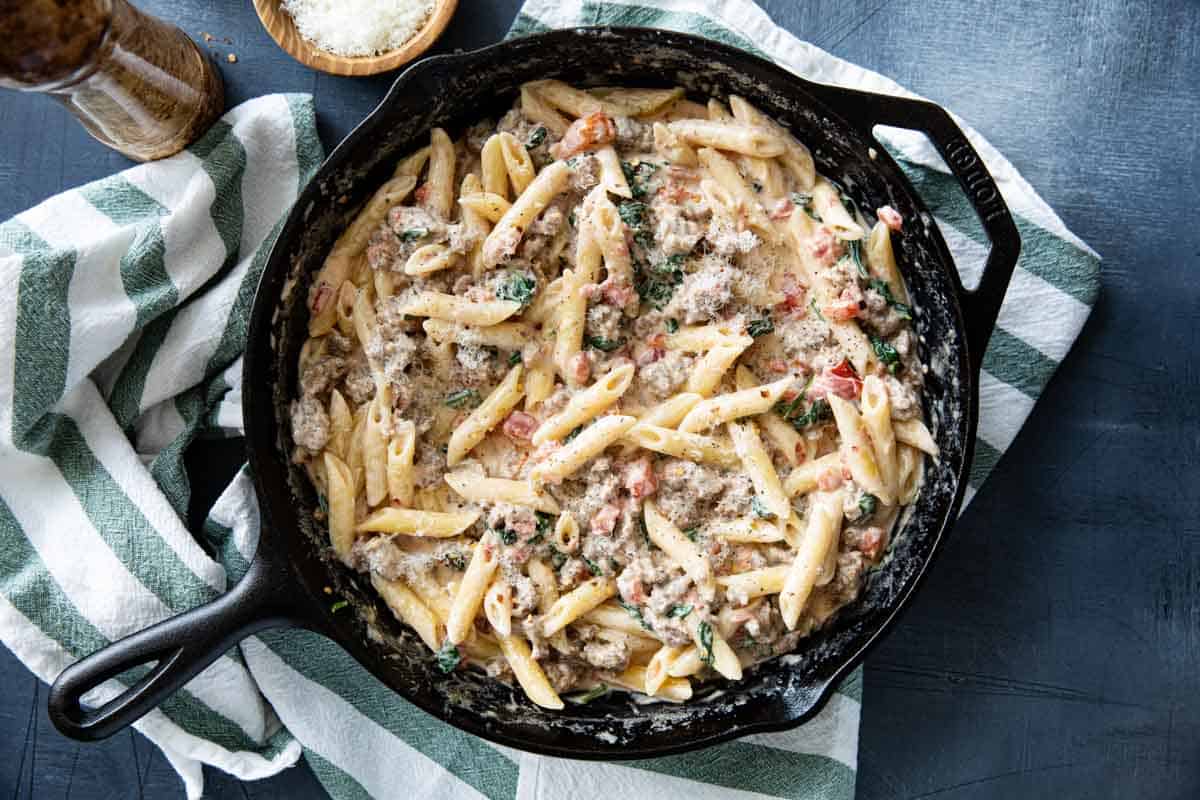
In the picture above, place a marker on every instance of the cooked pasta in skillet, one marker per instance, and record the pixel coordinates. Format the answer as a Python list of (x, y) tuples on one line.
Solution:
[(617, 392)]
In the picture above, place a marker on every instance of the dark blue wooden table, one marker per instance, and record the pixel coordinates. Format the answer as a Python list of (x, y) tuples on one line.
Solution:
[(1055, 650)]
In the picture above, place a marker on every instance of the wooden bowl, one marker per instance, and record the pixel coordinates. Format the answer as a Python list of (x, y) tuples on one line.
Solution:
[(282, 28)]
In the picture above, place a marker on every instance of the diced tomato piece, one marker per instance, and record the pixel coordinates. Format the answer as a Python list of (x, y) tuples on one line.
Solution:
[(840, 380), (519, 426), (606, 519), (636, 593), (617, 294), (890, 217), (639, 478), (580, 367), (650, 355), (840, 310), (525, 525), (825, 247), (586, 133), (844, 369), (422, 193), (871, 543), (793, 295), (676, 192), (321, 297), (830, 479), (782, 209)]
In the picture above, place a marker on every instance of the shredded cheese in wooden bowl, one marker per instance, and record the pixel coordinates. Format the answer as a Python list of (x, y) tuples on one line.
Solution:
[(358, 27), (355, 37)]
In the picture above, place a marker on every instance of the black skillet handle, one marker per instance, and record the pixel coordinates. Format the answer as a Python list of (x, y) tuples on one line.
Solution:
[(182, 646), (981, 305)]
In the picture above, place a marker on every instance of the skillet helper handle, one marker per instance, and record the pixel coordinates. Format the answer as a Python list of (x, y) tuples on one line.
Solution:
[(982, 304), (183, 646)]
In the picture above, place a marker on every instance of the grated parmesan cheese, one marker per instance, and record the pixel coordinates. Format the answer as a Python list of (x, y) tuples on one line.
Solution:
[(358, 27)]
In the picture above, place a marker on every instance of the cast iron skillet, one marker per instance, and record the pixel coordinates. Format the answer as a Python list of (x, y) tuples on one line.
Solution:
[(285, 585)]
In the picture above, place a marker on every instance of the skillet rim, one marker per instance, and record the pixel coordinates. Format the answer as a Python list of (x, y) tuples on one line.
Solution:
[(258, 401)]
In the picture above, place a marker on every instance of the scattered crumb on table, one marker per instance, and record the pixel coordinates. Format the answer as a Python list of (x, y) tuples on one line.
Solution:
[(231, 58)]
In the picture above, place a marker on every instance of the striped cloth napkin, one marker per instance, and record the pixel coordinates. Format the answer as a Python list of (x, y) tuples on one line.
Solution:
[(120, 331)]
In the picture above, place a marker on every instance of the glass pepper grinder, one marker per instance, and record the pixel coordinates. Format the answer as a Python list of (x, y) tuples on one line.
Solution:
[(138, 84)]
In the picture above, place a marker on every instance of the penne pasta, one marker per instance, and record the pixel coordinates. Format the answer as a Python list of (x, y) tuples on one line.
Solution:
[(686, 664), (824, 525), (517, 163), (734, 136), (575, 102), (497, 606), (478, 489), (489, 414), (795, 158), (538, 110), (409, 609), (746, 205), (504, 335), (636, 102), (528, 673), (857, 452), (494, 171), (914, 433), (768, 490), (805, 478), (673, 147), (413, 164), (877, 418), (401, 449), (755, 582), (341, 425), (711, 368), (458, 309), (746, 529), (488, 205), (590, 442), (778, 432), (577, 602), (374, 450), (702, 338), (681, 549), (736, 405), (675, 690), (475, 581), (586, 405), (610, 615), (612, 177), (908, 468), (503, 240), (431, 258), (714, 651), (681, 444), (476, 225), (340, 485), (434, 524), (347, 249), (439, 186), (828, 204), (882, 261)]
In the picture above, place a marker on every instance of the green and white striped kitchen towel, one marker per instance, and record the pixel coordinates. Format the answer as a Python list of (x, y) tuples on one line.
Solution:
[(119, 334)]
